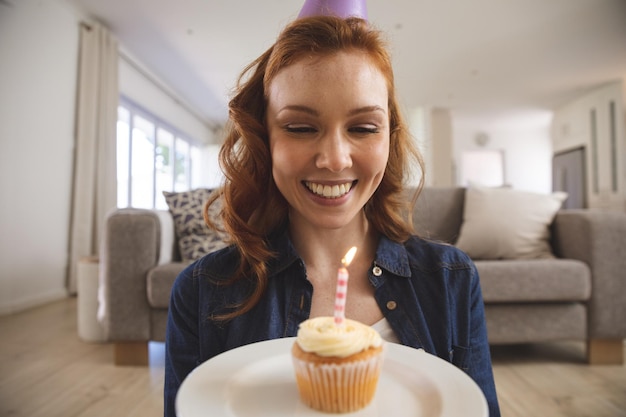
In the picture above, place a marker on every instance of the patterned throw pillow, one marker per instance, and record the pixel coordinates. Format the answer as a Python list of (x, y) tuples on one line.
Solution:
[(195, 239)]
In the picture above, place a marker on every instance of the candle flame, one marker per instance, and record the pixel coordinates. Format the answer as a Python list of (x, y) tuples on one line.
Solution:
[(349, 256)]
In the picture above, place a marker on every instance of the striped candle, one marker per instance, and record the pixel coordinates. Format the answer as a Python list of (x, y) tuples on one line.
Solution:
[(342, 287)]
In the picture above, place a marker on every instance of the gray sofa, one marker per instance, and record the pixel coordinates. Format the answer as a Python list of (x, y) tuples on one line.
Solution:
[(579, 295)]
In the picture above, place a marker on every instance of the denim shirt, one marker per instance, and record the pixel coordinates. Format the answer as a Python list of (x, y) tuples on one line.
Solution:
[(428, 292)]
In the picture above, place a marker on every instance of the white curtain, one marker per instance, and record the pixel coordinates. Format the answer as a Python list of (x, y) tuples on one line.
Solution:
[(94, 188)]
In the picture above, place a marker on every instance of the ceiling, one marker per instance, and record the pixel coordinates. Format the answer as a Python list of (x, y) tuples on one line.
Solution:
[(488, 61)]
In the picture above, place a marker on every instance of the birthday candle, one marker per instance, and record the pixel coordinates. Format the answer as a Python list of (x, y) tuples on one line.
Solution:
[(342, 287)]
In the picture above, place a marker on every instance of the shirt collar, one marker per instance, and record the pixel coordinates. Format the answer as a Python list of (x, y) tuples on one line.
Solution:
[(281, 245), (392, 257)]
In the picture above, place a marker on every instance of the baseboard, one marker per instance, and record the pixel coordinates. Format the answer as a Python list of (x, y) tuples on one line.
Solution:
[(15, 306)]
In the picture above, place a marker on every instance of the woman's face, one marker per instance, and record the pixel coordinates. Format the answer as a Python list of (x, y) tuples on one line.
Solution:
[(328, 126)]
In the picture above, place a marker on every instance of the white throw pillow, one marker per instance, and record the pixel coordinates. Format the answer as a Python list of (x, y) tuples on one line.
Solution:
[(502, 223)]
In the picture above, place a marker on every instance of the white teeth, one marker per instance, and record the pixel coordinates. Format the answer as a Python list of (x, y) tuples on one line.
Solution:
[(328, 191)]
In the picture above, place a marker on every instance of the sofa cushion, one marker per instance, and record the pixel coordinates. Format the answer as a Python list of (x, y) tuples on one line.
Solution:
[(160, 281), (438, 213), (537, 280), (195, 239), (532, 323), (502, 223)]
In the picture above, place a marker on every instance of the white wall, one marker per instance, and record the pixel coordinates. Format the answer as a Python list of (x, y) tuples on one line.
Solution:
[(38, 65), (38, 57), (572, 128), (442, 137), (419, 123), (145, 89), (525, 141), (210, 171), (431, 129)]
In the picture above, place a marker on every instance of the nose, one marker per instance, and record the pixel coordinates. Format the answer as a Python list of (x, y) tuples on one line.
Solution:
[(334, 152)]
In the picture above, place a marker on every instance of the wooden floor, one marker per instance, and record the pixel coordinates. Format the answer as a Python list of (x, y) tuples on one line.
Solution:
[(47, 371)]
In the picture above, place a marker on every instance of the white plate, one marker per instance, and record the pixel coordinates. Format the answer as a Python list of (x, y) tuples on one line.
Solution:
[(257, 380)]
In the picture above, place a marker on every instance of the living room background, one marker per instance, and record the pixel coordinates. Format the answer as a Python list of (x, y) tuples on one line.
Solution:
[(38, 61)]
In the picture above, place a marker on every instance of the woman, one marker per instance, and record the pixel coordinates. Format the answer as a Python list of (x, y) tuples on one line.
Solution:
[(315, 159)]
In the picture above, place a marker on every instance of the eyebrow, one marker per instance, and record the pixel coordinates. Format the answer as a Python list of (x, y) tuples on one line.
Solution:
[(367, 109), (313, 112), (299, 108)]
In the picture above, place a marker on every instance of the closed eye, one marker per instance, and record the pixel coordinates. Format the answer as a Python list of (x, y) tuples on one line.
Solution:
[(300, 129), (364, 129)]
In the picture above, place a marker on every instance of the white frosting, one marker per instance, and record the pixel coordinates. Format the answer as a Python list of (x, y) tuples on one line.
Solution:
[(322, 336)]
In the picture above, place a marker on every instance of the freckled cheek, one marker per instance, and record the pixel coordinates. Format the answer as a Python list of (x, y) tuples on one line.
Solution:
[(378, 162), (377, 157)]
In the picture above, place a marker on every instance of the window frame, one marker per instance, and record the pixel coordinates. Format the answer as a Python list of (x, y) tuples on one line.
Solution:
[(135, 109)]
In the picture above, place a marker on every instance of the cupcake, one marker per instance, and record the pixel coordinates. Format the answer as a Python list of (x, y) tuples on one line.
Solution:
[(336, 367)]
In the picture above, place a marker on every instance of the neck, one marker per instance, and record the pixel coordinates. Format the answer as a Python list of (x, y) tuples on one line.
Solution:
[(326, 247)]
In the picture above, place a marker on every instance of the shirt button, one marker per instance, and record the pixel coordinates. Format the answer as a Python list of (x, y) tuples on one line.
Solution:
[(391, 305), (377, 271)]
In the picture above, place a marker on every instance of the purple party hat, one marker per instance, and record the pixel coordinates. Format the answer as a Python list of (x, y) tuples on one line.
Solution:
[(339, 8)]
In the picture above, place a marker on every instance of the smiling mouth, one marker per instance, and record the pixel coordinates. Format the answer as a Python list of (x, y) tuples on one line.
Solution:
[(329, 191)]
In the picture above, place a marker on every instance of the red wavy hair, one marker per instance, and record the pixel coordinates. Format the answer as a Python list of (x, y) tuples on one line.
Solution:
[(253, 208)]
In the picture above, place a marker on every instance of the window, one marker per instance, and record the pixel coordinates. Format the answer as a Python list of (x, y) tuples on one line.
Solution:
[(152, 157)]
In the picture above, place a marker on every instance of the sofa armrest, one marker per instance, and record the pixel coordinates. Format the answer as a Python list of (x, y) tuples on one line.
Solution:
[(132, 246), (598, 238), (168, 251)]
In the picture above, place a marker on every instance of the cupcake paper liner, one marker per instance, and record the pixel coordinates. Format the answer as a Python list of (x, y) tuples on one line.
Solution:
[(338, 387)]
